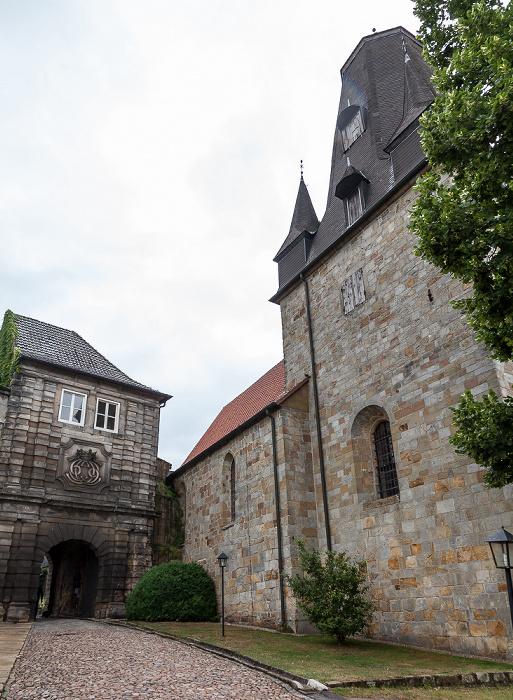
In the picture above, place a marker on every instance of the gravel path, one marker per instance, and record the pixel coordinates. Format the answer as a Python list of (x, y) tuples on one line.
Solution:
[(83, 660)]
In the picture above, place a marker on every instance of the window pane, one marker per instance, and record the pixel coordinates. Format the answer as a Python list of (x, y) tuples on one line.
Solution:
[(77, 415), (387, 474), (65, 412), (112, 410), (111, 423), (67, 399), (100, 420), (101, 407)]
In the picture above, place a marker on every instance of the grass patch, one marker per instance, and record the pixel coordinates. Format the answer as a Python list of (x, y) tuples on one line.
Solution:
[(320, 657), (482, 693)]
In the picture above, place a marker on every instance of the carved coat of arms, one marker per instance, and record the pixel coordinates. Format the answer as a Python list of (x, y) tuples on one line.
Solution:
[(81, 467)]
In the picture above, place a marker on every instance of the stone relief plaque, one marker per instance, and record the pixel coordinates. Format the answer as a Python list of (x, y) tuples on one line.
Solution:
[(84, 466)]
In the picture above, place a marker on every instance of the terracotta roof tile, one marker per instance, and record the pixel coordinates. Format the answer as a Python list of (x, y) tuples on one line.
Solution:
[(264, 391)]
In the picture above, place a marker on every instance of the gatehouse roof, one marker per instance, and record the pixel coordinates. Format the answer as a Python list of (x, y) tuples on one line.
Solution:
[(60, 347)]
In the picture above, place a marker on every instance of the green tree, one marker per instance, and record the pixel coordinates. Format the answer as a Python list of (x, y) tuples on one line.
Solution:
[(464, 222), (332, 594)]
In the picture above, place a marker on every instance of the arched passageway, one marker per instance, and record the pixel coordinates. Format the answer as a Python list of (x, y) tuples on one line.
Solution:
[(74, 580)]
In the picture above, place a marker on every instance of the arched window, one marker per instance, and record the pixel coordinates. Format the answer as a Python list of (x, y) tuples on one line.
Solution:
[(232, 490), (385, 461)]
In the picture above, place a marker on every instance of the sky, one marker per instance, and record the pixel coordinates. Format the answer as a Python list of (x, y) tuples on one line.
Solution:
[(150, 161)]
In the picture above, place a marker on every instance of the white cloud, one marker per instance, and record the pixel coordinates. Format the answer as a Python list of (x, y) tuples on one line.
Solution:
[(150, 163)]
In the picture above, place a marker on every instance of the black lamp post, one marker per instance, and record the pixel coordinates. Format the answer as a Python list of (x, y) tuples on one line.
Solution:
[(222, 559), (501, 545)]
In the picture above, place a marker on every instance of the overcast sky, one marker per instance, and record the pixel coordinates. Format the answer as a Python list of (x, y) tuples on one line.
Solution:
[(149, 166)]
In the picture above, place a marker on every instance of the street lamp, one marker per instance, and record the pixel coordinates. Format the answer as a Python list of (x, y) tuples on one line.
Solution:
[(501, 545), (222, 559)]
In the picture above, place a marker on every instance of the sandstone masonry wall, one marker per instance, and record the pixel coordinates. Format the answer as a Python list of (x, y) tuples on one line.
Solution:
[(403, 354), (40, 508)]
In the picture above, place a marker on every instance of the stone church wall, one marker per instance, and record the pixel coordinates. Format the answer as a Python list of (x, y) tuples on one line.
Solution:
[(403, 354), (250, 539), (41, 508)]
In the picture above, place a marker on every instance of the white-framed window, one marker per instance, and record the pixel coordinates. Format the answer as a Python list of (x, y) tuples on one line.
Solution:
[(73, 407), (107, 415)]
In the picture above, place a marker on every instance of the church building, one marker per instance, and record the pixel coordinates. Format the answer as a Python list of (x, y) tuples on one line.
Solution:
[(345, 442)]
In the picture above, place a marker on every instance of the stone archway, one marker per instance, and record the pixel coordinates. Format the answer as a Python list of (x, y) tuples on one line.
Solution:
[(74, 579)]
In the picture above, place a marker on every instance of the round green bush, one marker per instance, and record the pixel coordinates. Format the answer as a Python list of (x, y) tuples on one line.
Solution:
[(173, 591)]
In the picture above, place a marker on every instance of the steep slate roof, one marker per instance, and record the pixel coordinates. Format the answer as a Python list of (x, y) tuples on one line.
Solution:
[(60, 347), (304, 218), (263, 392), (389, 81)]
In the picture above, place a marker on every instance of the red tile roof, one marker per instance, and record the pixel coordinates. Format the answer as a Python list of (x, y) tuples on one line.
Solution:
[(264, 391)]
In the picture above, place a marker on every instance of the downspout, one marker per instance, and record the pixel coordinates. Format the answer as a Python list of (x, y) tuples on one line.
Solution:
[(278, 520), (317, 417)]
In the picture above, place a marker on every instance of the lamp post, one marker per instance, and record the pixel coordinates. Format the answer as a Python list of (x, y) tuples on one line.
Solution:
[(501, 545), (222, 559)]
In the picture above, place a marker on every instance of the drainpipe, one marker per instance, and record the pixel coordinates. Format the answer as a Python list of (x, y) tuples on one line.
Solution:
[(317, 418), (278, 520)]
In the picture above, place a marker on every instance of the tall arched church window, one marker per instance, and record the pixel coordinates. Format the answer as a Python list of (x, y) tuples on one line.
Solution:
[(232, 490), (385, 460)]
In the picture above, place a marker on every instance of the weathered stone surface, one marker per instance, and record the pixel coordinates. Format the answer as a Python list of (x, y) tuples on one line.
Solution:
[(111, 514)]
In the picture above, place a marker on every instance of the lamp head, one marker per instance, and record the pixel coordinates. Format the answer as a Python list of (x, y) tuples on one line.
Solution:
[(222, 559), (501, 545)]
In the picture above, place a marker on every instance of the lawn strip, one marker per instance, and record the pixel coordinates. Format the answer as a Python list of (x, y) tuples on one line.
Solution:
[(481, 693), (319, 657)]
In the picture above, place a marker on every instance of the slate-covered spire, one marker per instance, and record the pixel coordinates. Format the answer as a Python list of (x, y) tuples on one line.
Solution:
[(304, 218)]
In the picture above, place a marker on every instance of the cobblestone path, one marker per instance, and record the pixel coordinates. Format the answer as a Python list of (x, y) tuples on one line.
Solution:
[(83, 660)]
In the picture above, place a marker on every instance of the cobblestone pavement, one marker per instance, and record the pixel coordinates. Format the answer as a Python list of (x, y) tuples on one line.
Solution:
[(84, 660)]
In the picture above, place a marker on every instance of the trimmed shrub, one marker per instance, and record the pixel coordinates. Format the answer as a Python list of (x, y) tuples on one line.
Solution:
[(173, 591), (333, 593)]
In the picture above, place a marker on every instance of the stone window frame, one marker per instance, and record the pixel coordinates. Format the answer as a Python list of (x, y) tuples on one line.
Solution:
[(229, 491), (74, 393), (365, 463), (108, 402)]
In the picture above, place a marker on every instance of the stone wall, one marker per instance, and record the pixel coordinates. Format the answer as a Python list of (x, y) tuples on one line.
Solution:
[(403, 354), (252, 594), (41, 508)]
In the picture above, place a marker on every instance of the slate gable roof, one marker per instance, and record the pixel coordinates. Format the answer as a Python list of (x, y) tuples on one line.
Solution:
[(60, 347), (387, 80), (258, 396)]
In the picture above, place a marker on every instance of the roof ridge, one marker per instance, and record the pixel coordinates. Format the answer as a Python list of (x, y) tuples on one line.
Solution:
[(64, 347)]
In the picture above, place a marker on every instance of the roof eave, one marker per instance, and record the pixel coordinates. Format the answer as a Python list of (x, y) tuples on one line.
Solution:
[(146, 390), (273, 406)]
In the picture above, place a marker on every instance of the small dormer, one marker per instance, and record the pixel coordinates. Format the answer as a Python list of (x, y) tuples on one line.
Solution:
[(351, 190), (351, 124)]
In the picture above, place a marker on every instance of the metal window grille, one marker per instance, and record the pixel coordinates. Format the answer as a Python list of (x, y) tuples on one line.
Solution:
[(387, 473), (232, 490)]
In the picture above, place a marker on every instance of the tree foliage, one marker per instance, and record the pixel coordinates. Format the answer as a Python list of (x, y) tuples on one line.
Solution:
[(484, 433), (465, 225), (332, 594), (173, 591), (463, 216)]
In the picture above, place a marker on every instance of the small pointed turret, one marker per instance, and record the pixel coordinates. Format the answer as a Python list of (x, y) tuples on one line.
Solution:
[(304, 218)]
